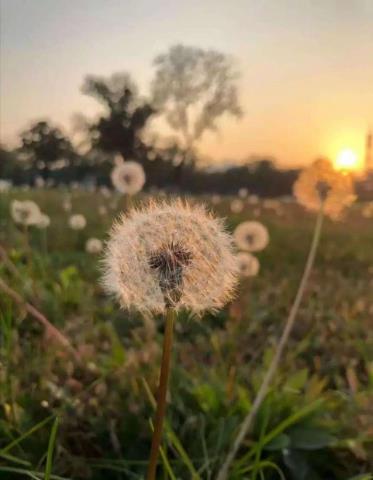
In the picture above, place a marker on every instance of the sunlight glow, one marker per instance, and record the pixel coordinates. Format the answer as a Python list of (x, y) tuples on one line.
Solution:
[(347, 159)]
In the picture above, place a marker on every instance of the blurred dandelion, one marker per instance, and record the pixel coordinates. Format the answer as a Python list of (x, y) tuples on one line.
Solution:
[(236, 205), (66, 205), (163, 258), (367, 210), (251, 236), (77, 222), (128, 177), (93, 245), (25, 212), (39, 182), (215, 199), (5, 185), (243, 192), (248, 264), (322, 185), (325, 190), (253, 200), (102, 210)]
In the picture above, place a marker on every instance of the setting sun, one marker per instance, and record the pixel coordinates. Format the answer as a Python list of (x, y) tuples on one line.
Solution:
[(347, 160)]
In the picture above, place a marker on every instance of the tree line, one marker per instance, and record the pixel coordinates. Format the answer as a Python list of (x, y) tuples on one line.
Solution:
[(191, 90)]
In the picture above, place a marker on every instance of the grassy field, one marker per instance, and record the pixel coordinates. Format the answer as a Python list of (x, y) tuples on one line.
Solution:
[(317, 421)]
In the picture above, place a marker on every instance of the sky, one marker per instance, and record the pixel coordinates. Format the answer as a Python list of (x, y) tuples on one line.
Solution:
[(306, 85)]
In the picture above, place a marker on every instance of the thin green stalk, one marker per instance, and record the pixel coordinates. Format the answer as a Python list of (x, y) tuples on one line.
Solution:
[(51, 447), (248, 421), (162, 393)]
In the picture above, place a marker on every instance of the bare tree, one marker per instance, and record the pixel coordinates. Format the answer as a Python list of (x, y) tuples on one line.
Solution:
[(194, 87)]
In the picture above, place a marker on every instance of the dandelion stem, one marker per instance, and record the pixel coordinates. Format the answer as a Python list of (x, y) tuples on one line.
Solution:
[(162, 392), (262, 392)]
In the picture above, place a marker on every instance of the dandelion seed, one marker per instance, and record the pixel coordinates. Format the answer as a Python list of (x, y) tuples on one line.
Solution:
[(25, 212), (251, 236), (322, 184), (128, 177), (170, 255), (93, 245), (77, 222), (248, 264)]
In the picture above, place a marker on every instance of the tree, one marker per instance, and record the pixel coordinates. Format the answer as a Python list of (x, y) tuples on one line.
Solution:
[(119, 129), (194, 88), (43, 144)]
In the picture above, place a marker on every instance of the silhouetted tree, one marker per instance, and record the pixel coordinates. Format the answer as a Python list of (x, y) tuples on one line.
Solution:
[(119, 129), (43, 144), (194, 87)]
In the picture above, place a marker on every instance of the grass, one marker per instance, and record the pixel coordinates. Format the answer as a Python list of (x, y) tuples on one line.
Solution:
[(316, 422)]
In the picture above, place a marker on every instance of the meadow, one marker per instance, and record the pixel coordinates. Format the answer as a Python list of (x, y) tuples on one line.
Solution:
[(315, 424)]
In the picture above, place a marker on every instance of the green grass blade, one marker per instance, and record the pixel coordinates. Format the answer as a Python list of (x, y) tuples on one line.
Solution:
[(51, 445), (173, 438), (25, 435)]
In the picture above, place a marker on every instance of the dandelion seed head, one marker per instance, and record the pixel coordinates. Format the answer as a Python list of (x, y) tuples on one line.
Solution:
[(237, 205), (25, 212), (248, 264), (243, 192), (322, 184), (77, 222), (367, 210), (251, 236), (128, 177), (5, 185), (93, 245), (170, 254)]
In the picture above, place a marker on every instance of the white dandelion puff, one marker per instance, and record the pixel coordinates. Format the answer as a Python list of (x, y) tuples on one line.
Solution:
[(67, 205), (5, 185), (128, 177), (248, 264), (251, 236), (253, 199), (93, 245), (236, 206), (25, 212), (39, 182), (170, 255), (243, 192), (77, 222), (102, 210), (367, 210)]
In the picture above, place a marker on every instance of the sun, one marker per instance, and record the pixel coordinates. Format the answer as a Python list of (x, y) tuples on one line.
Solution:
[(347, 159)]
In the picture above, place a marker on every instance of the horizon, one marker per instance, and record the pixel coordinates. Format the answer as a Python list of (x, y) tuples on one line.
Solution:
[(305, 86)]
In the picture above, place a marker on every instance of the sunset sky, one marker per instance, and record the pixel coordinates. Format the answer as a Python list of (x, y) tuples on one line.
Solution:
[(307, 65)]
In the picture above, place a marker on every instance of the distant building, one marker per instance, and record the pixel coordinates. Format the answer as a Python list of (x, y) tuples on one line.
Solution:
[(369, 152), (365, 186)]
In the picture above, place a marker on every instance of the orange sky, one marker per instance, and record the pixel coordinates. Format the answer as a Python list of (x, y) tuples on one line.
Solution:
[(307, 66)]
